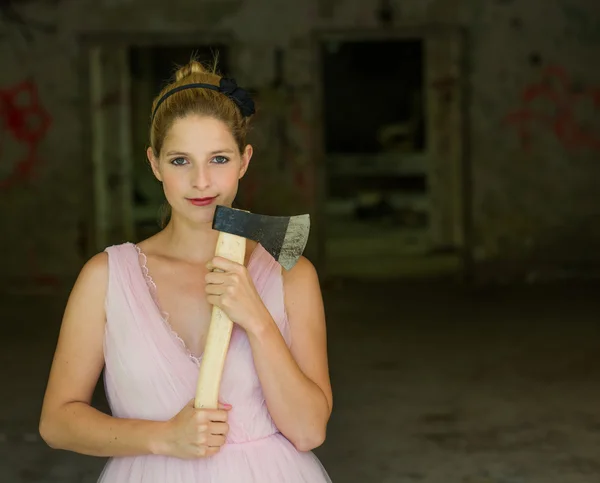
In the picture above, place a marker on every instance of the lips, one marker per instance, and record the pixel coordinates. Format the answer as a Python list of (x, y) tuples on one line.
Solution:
[(201, 201)]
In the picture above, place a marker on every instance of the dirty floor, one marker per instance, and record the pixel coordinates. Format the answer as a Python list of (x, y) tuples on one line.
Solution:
[(433, 383)]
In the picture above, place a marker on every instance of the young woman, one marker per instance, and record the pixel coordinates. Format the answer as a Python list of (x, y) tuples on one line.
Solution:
[(141, 312)]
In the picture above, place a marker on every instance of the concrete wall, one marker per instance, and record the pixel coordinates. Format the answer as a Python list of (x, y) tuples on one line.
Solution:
[(534, 100), (536, 133)]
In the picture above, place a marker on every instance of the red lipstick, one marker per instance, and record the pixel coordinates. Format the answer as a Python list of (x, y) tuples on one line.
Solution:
[(201, 201)]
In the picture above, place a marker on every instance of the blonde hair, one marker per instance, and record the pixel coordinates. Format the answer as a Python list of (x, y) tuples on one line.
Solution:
[(201, 102)]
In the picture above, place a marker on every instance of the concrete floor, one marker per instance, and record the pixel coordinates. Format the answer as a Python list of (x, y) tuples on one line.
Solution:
[(432, 383)]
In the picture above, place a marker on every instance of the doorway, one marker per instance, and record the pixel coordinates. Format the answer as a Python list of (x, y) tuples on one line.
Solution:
[(390, 151)]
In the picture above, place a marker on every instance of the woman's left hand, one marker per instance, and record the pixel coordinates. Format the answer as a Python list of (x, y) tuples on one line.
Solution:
[(233, 291)]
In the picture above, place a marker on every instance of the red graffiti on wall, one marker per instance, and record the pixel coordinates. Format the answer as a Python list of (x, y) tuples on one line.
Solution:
[(552, 104), (27, 122)]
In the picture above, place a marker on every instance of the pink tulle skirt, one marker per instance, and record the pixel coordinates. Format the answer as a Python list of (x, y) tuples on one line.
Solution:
[(269, 460)]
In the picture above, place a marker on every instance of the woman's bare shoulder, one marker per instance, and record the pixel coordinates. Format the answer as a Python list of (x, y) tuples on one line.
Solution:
[(302, 286), (304, 272), (93, 276)]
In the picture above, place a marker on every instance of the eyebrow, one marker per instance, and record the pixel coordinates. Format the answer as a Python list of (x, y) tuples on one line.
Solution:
[(181, 153)]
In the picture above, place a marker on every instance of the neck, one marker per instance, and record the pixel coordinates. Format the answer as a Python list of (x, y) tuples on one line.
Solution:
[(194, 243)]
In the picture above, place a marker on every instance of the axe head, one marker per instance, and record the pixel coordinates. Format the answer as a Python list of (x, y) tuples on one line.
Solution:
[(284, 237)]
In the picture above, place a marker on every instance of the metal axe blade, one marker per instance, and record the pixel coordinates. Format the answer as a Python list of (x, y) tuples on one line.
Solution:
[(284, 237)]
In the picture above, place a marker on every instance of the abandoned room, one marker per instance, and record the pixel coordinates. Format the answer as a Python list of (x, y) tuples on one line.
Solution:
[(447, 153)]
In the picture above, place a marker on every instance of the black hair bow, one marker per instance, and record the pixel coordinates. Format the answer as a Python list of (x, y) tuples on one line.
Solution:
[(238, 95)]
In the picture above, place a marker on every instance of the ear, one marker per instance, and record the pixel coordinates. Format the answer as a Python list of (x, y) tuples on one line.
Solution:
[(246, 156), (154, 164)]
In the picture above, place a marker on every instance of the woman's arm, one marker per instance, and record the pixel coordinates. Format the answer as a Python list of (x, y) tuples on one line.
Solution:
[(296, 382), (68, 421)]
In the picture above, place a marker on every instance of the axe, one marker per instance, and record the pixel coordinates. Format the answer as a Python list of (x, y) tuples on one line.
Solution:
[(284, 237)]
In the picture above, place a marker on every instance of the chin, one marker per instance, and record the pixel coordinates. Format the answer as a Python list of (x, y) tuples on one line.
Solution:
[(206, 216), (198, 216)]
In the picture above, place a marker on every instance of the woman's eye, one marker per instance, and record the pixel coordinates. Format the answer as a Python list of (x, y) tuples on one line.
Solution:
[(178, 161), (220, 159)]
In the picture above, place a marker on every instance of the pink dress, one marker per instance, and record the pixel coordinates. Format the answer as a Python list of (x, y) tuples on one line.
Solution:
[(150, 374)]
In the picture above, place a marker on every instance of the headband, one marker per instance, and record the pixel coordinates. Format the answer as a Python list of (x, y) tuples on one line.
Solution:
[(227, 86)]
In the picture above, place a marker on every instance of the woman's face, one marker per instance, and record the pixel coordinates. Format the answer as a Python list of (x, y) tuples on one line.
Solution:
[(199, 166)]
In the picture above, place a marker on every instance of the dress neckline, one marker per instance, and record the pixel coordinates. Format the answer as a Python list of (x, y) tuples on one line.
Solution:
[(153, 292)]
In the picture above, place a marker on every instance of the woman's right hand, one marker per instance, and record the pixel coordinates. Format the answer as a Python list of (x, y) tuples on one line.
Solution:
[(195, 433)]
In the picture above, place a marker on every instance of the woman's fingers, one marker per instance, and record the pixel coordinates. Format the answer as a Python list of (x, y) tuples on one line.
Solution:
[(216, 278), (212, 289), (219, 428), (215, 440)]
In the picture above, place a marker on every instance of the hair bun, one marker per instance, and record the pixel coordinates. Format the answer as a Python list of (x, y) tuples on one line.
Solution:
[(192, 67)]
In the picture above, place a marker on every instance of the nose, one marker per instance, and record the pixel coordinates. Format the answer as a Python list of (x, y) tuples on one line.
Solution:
[(201, 178)]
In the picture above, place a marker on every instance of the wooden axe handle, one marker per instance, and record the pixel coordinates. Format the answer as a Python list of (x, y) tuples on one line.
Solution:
[(232, 247)]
